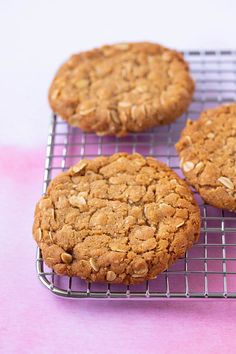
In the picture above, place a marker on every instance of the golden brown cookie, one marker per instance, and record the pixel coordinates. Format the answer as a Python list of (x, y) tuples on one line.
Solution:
[(122, 88), (120, 219), (207, 151)]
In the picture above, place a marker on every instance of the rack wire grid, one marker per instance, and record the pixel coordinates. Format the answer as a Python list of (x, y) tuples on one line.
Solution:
[(208, 270)]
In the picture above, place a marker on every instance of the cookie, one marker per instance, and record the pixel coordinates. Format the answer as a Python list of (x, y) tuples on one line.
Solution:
[(207, 151), (118, 219), (122, 88)]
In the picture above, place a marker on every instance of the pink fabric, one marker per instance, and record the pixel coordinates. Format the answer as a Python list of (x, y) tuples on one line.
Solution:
[(36, 322)]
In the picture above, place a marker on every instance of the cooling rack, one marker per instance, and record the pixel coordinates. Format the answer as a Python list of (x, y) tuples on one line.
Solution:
[(208, 270)]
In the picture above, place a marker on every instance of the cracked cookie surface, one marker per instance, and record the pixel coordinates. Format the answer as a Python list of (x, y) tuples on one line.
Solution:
[(119, 219), (117, 89), (207, 151)]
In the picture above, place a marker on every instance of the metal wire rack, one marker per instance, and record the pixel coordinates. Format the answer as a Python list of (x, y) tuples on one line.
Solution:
[(208, 270)]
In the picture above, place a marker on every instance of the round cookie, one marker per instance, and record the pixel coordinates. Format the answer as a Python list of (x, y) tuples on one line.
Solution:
[(120, 219), (122, 88), (207, 151)]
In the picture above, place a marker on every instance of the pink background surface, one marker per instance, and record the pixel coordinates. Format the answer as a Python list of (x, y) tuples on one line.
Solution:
[(34, 321)]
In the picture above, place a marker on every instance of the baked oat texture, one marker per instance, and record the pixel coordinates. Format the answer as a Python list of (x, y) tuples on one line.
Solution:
[(207, 150), (119, 219), (122, 88)]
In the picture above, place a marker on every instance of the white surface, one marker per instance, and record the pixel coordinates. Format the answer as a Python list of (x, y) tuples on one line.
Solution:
[(37, 36)]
